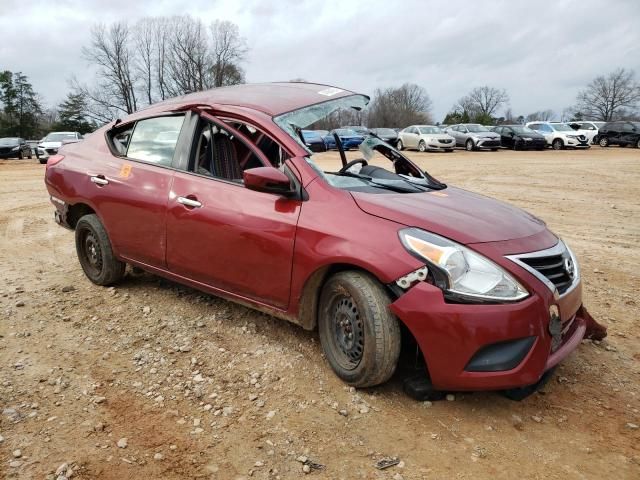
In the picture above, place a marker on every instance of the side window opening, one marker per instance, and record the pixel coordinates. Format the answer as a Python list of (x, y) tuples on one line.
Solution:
[(219, 154), (120, 139), (269, 147)]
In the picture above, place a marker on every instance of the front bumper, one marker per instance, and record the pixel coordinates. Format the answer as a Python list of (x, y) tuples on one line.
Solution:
[(451, 336), (576, 143), (488, 143), (438, 146)]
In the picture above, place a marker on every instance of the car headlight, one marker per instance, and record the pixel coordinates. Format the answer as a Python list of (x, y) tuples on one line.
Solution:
[(15, 148), (459, 270)]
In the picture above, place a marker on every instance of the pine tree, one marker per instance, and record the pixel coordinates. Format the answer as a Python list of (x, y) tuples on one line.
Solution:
[(72, 114)]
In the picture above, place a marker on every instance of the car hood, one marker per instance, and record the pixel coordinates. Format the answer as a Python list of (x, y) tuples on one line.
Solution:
[(458, 214), (50, 144)]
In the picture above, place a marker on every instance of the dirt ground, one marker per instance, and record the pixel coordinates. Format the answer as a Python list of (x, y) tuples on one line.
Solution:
[(202, 388)]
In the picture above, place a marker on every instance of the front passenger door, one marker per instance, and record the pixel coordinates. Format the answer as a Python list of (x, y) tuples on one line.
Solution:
[(223, 235)]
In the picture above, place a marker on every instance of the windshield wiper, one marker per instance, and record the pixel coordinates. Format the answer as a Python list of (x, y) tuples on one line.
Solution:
[(393, 185)]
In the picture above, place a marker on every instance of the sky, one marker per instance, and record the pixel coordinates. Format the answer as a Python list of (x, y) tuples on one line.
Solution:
[(542, 53)]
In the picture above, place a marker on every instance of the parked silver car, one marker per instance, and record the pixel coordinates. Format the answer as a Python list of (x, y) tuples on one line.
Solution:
[(474, 136), (424, 138), (50, 144)]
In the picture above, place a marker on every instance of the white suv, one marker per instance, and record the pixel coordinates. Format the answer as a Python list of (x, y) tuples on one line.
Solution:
[(559, 135), (589, 129), (50, 144)]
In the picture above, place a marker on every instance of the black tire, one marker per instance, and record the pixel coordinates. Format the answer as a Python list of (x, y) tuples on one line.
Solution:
[(20, 155), (557, 144), (42, 161), (638, 143), (603, 141), (494, 149), (422, 146), (515, 146), (469, 146), (95, 253), (30, 156), (359, 334), (399, 145)]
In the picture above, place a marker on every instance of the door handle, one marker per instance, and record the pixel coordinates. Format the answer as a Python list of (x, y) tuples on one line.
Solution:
[(99, 180), (189, 202)]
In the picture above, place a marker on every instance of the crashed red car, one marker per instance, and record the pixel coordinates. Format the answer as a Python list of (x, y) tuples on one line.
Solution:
[(218, 191)]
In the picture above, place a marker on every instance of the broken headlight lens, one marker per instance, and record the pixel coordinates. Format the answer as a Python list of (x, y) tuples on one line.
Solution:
[(463, 271)]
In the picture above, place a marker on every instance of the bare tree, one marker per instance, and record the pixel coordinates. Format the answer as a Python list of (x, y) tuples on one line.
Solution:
[(541, 116), (228, 50), (482, 103), (607, 98), (399, 107), (144, 43), (110, 51)]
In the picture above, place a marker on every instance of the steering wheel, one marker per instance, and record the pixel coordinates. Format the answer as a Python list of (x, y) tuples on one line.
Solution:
[(352, 163)]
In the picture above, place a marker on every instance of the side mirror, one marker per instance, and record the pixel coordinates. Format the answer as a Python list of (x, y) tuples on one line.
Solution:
[(267, 179)]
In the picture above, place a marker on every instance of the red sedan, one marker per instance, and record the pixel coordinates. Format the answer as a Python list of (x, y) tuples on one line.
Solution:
[(217, 190)]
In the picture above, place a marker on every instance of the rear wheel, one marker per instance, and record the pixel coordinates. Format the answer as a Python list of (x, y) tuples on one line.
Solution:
[(469, 145), (399, 145), (422, 146), (557, 144), (359, 334), (604, 142), (95, 253)]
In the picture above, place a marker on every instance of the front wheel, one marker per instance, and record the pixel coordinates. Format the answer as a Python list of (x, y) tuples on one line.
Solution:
[(399, 145), (604, 142), (638, 143), (557, 144), (422, 146), (469, 145), (95, 253), (20, 155), (359, 334)]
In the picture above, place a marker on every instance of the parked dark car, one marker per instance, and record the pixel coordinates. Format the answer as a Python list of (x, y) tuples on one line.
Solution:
[(359, 129), (349, 138), (14, 147), (370, 254), (314, 141), (620, 133), (519, 137), (389, 135)]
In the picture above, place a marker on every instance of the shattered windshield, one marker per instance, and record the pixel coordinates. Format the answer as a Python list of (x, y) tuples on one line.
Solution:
[(296, 120)]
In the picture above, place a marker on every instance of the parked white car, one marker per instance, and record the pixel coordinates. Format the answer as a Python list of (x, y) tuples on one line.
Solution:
[(589, 129), (559, 135), (425, 138), (50, 144)]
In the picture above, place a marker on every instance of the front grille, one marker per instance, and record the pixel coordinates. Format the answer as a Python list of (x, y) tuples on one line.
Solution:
[(51, 151), (491, 143), (553, 268), (556, 267)]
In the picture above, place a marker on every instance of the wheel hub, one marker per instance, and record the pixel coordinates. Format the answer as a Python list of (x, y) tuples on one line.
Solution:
[(349, 332), (93, 252)]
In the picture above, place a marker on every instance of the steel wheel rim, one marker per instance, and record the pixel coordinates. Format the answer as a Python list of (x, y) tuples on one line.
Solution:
[(92, 252), (469, 145), (347, 332)]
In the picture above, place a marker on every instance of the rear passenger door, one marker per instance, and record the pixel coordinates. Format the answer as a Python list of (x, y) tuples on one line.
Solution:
[(131, 188)]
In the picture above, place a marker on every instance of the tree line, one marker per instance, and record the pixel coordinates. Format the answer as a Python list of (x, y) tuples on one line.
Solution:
[(158, 58)]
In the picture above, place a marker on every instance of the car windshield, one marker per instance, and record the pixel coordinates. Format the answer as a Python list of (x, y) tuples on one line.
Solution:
[(598, 124), (346, 132), (384, 131), (519, 129), (561, 127), (8, 141), (385, 171), (310, 134), (429, 130), (475, 128), (59, 137)]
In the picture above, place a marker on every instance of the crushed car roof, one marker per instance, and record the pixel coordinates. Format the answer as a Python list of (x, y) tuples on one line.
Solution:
[(270, 98)]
